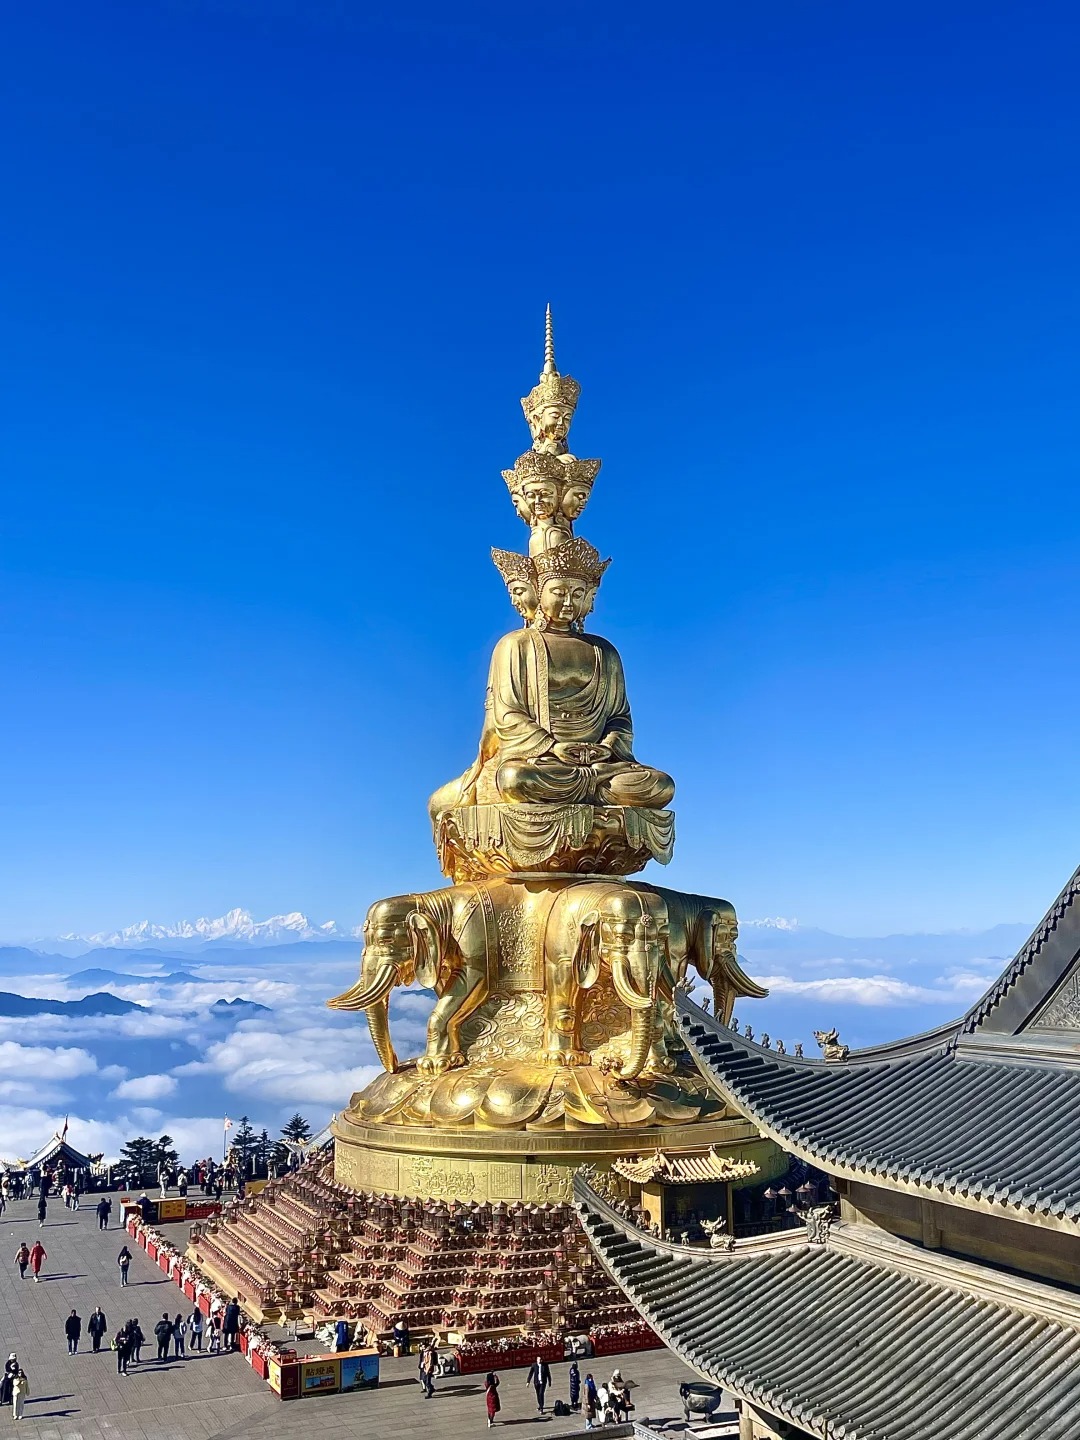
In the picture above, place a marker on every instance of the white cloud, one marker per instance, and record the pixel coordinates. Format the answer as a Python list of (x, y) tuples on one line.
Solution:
[(145, 1087), (44, 1063), (959, 988)]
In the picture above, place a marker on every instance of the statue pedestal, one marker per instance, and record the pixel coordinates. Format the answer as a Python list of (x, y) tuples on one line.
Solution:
[(476, 842), (524, 1166)]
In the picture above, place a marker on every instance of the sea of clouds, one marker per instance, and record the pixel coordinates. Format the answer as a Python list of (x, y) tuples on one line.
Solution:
[(179, 1066)]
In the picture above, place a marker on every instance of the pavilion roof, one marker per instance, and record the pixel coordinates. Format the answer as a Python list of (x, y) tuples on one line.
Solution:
[(856, 1336), (56, 1147), (683, 1169)]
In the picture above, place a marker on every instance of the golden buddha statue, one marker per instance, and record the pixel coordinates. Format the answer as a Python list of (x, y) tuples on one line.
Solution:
[(554, 974)]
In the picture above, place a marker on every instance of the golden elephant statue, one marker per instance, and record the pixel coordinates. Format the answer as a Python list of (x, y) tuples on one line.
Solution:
[(467, 942)]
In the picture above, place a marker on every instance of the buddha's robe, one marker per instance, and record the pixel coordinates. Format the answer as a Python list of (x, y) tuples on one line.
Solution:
[(548, 688)]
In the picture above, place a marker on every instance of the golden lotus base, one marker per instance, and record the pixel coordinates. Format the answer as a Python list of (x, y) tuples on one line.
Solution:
[(478, 841), (520, 1166), (519, 1094)]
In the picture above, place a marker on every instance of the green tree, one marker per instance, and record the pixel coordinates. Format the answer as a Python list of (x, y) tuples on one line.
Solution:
[(164, 1154), (243, 1145), (297, 1129), (137, 1160), (262, 1152)]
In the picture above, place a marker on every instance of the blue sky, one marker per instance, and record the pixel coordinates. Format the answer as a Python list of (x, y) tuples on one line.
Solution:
[(275, 278)]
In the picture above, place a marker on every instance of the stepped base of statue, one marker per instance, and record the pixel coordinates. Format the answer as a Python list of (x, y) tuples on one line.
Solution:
[(476, 841)]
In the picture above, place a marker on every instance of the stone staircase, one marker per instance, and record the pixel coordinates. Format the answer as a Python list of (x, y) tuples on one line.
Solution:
[(308, 1245)]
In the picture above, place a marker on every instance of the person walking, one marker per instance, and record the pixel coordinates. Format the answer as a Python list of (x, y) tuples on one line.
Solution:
[(230, 1325), (22, 1259), (215, 1333), (122, 1346), (37, 1259), (73, 1331), (124, 1260), (42, 1209), (163, 1331), (539, 1377), (592, 1402), (426, 1367), (104, 1210), (11, 1369), (195, 1329), (491, 1397), (575, 1386), (96, 1327), (20, 1393), (178, 1337)]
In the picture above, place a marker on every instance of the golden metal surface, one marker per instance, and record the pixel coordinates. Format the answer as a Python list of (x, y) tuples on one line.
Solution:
[(554, 975)]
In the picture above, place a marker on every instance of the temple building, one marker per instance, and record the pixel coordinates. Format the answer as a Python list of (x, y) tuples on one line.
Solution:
[(939, 1295)]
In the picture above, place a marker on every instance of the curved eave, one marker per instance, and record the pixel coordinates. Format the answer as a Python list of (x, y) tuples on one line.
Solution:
[(993, 1137)]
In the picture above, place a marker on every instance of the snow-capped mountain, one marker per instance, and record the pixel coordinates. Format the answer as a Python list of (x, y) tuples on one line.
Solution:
[(235, 926)]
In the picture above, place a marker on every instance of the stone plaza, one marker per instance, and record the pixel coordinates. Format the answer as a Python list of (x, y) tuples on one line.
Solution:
[(211, 1397)]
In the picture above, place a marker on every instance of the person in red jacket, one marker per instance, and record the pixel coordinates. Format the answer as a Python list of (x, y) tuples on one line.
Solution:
[(37, 1257)]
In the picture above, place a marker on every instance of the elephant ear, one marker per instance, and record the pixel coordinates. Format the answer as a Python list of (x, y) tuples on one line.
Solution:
[(425, 949), (587, 955)]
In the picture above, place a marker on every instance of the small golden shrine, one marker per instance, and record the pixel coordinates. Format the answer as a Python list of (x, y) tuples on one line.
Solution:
[(552, 1041)]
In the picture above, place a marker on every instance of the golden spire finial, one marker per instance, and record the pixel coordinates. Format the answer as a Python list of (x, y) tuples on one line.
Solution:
[(549, 346)]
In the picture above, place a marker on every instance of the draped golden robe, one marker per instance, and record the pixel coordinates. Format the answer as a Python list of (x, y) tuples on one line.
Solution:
[(570, 691)]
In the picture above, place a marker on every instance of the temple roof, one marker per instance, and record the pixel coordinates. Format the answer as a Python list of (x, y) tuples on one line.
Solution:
[(848, 1338), (981, 1111), (56, 1147), (684, 1169)]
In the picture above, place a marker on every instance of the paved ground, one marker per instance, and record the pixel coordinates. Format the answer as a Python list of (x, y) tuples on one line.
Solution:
[(205, 1397)]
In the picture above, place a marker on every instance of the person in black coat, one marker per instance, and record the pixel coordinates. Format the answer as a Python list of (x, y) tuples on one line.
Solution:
[(539, 1377), (230, 1325), (163, 1331), (96, 1327), (73, 1330), (42, 1209)]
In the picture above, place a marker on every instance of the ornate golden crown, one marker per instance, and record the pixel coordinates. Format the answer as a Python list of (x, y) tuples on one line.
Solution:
[(536, 466), (578, 472), (577, 560), (512, 566)]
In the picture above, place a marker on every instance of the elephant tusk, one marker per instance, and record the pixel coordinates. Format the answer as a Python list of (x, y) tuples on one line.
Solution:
[(367, 991), (625, 988)]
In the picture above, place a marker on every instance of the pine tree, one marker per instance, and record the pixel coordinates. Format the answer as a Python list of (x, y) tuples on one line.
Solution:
[(297, 1129), (164, 1154), (138, 1160), (243, 1145), (261, 1154)]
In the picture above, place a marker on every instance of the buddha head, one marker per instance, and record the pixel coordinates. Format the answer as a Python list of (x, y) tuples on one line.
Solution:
[(549, 405), (541, 496), (575, 498), (569, 576), (519, 574)]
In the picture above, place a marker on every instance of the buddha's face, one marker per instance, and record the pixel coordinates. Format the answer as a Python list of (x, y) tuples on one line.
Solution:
[(521, 505), (523, 597), (553, 422), (562, 598), (541, 498), (574, 500)]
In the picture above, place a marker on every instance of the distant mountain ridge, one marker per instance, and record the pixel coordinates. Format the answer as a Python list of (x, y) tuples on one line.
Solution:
[(21, 1006), (234, 926)]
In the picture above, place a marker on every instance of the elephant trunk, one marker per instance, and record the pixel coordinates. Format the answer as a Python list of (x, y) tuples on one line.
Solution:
[(641, 1034), (378, 1019)]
